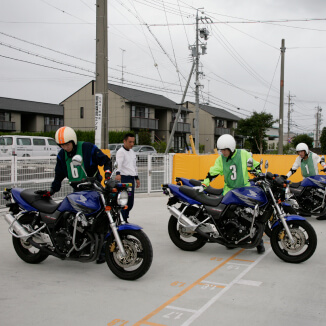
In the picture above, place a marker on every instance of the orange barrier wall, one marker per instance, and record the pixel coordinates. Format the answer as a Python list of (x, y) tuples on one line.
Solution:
[(197, 166)]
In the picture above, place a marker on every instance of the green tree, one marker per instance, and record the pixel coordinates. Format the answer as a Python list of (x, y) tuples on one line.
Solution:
[(302, 139), (144, 137), (255, 128), (323, 140)]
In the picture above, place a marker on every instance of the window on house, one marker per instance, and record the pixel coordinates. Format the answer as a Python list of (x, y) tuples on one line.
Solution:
[(81, 113), (4, 116), (219, 123), (139, 112)]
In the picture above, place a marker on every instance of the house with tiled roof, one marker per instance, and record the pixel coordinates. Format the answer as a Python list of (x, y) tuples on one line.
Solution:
[(129, 109), (29, 116)]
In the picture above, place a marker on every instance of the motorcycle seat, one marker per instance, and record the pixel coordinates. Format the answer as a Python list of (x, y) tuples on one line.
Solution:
[(200, 196), (44, 205), (210, 190), (295, 184)]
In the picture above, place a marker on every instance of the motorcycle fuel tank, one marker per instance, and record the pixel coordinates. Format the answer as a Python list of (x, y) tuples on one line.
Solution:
[(88, 202), (246, 196), (314, 181)]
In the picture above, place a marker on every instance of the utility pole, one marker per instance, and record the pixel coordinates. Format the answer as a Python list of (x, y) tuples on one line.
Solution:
[(318, 121), (197, 90), (122, 80), (289, 113), (101, 91), (280, 142), (203, 33)]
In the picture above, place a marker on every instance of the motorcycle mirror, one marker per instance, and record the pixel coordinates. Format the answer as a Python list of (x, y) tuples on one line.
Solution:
[(322, 159), (250, 163), (77, 160), (266, 164)]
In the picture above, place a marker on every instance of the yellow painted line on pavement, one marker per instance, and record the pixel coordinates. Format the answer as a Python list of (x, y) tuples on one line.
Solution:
[(250, 261), (144, 321)]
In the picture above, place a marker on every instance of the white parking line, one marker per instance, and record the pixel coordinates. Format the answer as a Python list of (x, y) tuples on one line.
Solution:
[(228, 287), (181, 309)]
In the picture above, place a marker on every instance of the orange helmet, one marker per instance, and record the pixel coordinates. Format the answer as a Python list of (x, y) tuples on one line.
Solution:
[(65, 135)]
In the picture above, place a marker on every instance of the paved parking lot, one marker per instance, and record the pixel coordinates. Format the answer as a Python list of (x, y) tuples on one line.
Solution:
[(213, 286)]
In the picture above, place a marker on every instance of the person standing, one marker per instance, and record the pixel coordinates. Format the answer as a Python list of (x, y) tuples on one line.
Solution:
[(127, 169), (232, 164), (92, 156)]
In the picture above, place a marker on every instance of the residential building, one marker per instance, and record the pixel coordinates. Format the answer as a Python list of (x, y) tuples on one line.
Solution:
[(129, 109), (213, 122), (21, 116)]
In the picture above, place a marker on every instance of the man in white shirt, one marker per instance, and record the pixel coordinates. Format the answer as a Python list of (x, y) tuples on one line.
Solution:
[(127, 169)]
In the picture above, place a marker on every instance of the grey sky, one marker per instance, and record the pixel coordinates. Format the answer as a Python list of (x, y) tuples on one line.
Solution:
[(241, 68)]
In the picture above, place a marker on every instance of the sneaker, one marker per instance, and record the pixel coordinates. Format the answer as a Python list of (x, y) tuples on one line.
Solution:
[(261, 247), (320, 218)]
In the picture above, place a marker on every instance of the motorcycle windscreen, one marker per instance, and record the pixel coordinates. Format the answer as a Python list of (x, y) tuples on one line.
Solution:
[(245, 196), (314, 181), (88, 202)]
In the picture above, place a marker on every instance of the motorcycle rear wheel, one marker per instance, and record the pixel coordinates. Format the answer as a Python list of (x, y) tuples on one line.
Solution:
[(183, 240), (304, 246), (139, 255), (27, 252)]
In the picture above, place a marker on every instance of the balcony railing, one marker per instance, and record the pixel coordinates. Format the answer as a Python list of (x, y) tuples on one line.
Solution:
[(221, 131), (144, 123), (7, 126), (181, 127), (52, 127)]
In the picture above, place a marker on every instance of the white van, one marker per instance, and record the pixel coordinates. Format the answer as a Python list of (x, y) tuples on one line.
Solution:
[(27, 146)]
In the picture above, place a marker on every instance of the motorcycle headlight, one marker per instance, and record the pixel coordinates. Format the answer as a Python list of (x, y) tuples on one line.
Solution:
[(122, 199)]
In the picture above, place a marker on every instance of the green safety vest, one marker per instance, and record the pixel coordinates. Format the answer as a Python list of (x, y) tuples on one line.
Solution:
[(75, 173), (307, 167), (233, 171)]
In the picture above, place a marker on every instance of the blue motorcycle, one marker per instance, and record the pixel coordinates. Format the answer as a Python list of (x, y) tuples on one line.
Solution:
[(80, 228), (239, 218)]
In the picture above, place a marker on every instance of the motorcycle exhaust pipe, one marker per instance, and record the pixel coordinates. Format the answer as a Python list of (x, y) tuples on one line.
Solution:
[(16, 226), (183, 220)]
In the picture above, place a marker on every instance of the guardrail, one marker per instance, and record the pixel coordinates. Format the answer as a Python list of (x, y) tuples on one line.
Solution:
[(38, 173)]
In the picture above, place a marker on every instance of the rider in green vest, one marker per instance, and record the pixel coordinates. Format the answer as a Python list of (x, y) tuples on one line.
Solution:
[(92, 156), (307, 161), (232, 164)]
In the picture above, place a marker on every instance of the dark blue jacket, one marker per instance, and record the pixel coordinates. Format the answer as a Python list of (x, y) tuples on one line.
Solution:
[(92, 157)]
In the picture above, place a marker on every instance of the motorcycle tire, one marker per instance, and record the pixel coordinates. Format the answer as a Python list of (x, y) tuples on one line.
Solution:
[(305, 241), (194, 242), (27, 252), (139, 255)]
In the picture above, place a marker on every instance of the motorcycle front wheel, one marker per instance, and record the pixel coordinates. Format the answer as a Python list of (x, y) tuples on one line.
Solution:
[(139, 255), (303, 247), (182, 239)]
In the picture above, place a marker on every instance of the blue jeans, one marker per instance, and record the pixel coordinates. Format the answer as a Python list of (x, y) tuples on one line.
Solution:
[(128, 179)]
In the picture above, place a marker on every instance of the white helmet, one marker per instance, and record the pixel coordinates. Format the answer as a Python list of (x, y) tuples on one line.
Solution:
[(65, 135), (302, 147), (226, 142)]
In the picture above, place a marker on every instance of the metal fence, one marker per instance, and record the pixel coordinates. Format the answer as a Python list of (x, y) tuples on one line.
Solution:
[(38, 173)]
